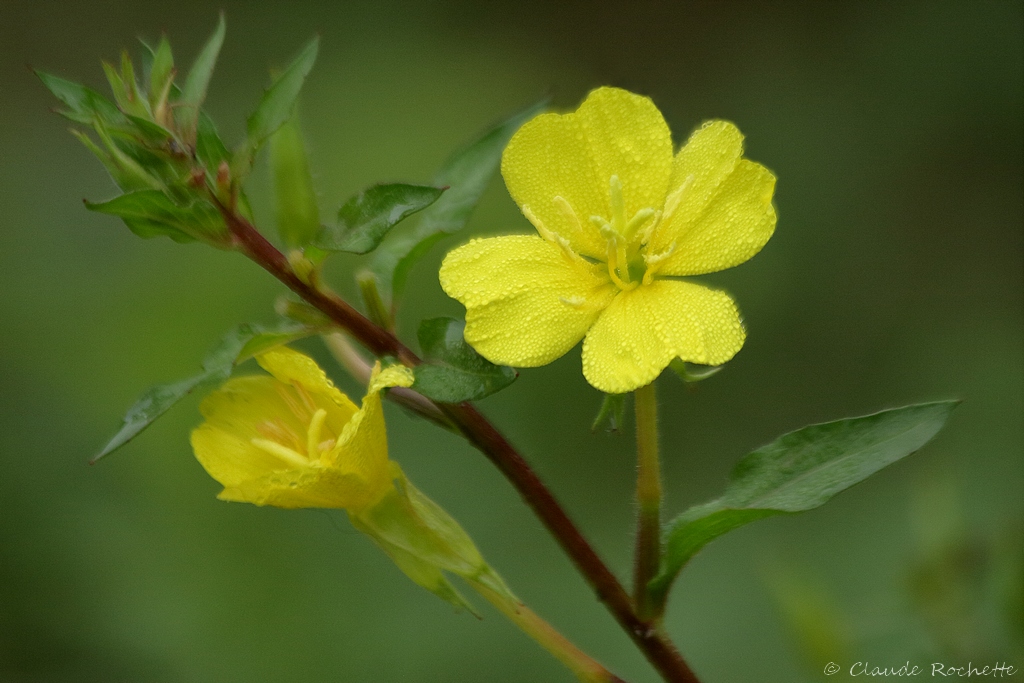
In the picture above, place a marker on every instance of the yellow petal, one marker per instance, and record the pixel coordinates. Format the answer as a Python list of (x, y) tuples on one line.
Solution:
[(306, 487), (362, 449), (644, 329), (527, 301), (230, 458), (244, 403), (574, 156), (701, 165), (733, 226), (292, 367)]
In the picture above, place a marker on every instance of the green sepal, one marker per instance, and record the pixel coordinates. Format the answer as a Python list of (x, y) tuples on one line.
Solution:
[(799, 471), (467, 174), (365, 219), (275, 107), (193, 93), (149, 213), (425, 541), (612, 415), (453, 371), (691, 372), (298, 217), (238, 345)]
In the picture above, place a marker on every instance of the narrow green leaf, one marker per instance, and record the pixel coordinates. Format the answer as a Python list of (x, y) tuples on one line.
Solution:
[(84, 105), (298, 217), (149, 213), (278, 100), (150, 132), (236, 346), (467, 174), (209, 147), (161, 73), (124, 178), (454, 371), (117, 85), (800, 471), (194, 92), (136, 104), (366, 218)]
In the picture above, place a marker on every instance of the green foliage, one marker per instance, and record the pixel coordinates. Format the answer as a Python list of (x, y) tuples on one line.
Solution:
[(612, 414), (799, 471), (241, 343), (149, 213), (275, 107), (84, 105), (298, 217), (198, 81), (366, 218), (454, 371), (466, 174)]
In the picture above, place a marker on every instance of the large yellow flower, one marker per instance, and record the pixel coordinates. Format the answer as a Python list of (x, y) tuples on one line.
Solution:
[(291, 439), (619, 218)]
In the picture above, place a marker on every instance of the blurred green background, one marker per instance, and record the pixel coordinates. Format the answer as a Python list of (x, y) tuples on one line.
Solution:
[(895, 276)]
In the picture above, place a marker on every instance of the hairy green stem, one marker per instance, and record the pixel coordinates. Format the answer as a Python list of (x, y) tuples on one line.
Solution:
[(647, 558), (584, 667), (651, 641)]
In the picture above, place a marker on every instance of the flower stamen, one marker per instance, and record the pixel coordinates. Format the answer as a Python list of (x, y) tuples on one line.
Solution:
[(313, 433), (282, 452)]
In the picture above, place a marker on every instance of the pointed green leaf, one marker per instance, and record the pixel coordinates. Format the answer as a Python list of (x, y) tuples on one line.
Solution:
[(366, 218), (149, 213), (150, 132), (275, 107), (236, 346), (209, 147), (194, 92), (454, 372), (800, 471), (298, 217), (467, 174), (161, 73), (84, 105)]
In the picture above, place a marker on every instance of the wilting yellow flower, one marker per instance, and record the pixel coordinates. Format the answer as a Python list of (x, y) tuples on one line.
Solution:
[(618, 217), (291, 439)]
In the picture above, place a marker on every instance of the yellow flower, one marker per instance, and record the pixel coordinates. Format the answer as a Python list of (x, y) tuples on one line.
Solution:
[(293, 440), (618, 219)]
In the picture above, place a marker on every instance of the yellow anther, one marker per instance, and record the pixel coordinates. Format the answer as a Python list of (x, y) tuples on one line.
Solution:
[(313, 433), (283, 452)]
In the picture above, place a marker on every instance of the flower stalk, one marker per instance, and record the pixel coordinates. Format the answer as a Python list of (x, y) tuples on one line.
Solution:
[(647, 558), (655, 646), (584, 667)]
